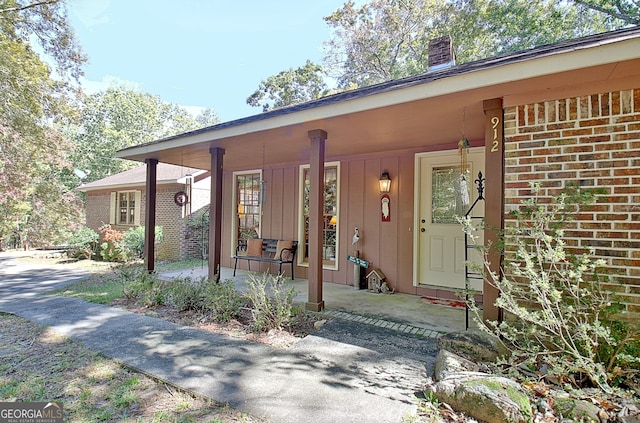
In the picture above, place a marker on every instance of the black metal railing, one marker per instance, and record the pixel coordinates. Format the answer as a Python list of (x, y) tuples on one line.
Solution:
[(468, 273)]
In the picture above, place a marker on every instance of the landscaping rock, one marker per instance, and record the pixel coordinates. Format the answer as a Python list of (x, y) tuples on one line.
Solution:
[(473, 345), (448, 363), (577, 410), (629, 419), (320, 323), (484, 397)]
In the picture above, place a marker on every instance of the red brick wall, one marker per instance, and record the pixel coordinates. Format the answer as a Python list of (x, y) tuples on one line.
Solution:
[(441, 51), (592, 141), (97, 208), (168, 215)]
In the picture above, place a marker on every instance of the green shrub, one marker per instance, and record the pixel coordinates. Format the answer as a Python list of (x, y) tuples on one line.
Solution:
[(271, 301), (132, 243), (621, 357), (139, 285), (109, 251), (559, 320), (188, 294), (223, 301), (83, 244)]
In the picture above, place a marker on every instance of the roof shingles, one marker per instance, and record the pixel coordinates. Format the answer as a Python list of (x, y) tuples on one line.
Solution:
[(166, 173)]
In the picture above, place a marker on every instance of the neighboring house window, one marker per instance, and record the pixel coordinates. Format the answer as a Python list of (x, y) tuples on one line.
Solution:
[(248, 204), (125, 208), (330, 216)]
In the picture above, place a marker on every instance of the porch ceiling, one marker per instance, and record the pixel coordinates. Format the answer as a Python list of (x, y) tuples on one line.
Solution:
[(415, 125), (431, 115)]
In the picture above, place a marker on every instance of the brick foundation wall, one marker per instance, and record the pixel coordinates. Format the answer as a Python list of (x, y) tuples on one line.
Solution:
[(591, 141)]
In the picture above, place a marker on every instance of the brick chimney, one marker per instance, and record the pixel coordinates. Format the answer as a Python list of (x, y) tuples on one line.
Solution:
[(441, 54)]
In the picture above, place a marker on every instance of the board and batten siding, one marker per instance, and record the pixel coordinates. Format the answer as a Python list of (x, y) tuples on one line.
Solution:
[(386, 245)]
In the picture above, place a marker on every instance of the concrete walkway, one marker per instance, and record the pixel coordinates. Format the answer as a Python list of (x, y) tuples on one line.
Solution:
[(351, 370)]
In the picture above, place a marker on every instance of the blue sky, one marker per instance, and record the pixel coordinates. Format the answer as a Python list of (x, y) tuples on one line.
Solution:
[(198, 53)]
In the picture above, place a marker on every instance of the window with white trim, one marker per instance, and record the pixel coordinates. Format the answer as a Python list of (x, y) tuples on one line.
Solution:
[(125, 208), (330, 216)]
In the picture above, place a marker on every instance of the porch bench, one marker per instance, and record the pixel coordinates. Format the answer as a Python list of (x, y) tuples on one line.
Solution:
[(266, 250)]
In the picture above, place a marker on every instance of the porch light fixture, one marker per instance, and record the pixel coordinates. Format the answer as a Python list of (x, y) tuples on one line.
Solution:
[(385, 182)]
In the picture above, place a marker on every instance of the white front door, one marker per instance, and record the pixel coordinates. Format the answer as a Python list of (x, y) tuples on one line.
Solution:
[(442, 194)]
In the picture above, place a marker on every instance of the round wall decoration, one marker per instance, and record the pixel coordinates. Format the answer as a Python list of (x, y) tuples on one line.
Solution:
[(181, 198)]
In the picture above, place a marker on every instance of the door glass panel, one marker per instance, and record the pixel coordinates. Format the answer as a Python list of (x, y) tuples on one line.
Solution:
[(450, 194)]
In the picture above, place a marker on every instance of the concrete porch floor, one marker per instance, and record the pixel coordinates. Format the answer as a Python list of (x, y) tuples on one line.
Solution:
[(338, 298)]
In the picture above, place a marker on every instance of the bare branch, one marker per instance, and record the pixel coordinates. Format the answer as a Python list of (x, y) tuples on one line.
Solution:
[(616, 14), (29, 6)]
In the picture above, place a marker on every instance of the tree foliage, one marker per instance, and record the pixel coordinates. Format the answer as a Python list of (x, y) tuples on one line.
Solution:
[(627, 11), (35, 208), (207, 117), (40, 66), (388, 39), (382, 40), (290, 86), (121, 117), (47, 22)]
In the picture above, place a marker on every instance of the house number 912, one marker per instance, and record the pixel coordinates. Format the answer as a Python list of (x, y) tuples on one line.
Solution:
[(495, 143)]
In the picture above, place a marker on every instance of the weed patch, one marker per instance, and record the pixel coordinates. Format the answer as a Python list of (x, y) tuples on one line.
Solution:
[(271, 301)]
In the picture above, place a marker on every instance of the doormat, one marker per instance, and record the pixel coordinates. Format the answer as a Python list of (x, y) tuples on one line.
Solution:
[(442, 301)]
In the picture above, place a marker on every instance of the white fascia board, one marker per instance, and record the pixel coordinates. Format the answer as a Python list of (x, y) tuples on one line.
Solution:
[(578, 58), (121, 187), (194, 175)]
